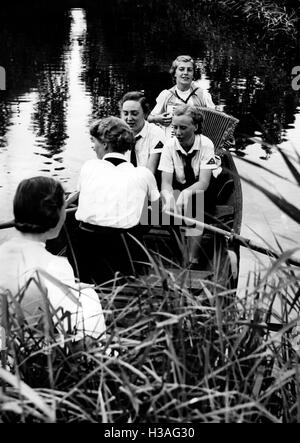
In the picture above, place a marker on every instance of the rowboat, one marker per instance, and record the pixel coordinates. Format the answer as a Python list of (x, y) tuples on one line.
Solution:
[(166, 249), (165, 246)]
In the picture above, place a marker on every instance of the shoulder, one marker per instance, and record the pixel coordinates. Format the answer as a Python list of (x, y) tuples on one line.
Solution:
[(163, 94), (89, 164), (8, 245), (156, 134), (143, 172), (7, 249), (161, 100), (170, 144), (145, 178), (168, 152), (19, 249), (155, 129), (205, 141), (60, 268), (203, 94), (196, 86)]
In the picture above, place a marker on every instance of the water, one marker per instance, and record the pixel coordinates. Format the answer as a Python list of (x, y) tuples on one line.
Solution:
[(63, 72)]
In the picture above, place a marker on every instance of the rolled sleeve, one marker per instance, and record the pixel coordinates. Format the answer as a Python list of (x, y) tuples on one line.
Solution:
[(160, 102), (208, 100), (166, 163), (209, 160), (152, 190), (158, 141)]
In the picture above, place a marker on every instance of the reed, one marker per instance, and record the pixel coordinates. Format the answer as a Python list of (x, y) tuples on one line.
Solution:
[(170, 356)]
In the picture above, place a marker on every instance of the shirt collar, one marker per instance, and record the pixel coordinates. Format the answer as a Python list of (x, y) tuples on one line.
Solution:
[(187, 92), (114, 155), (143, 131), (196, 146)]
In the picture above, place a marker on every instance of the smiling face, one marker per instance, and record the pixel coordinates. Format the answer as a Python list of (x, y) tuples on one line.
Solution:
[(132, 113), (184, 75), (184, 129)]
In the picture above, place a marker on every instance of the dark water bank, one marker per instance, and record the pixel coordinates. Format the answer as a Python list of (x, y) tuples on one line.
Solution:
[(56, 59)]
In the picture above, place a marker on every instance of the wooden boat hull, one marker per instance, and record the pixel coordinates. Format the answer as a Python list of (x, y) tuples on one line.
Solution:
[(220, 258)]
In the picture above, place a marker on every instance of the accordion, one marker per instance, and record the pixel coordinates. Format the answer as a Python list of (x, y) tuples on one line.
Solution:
[(218, 126)]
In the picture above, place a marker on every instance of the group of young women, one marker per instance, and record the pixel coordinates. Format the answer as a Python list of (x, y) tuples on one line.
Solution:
[(136, 155)]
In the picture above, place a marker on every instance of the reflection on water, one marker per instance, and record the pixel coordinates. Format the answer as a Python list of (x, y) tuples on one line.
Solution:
[(64, 71), (46, 129), (79, 107)]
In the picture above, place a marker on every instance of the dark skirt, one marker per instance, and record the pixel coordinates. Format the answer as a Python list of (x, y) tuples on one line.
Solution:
[(97, 253)]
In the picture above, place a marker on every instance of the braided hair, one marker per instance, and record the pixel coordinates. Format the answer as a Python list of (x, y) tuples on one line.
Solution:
[(113, 131), (37, 204)]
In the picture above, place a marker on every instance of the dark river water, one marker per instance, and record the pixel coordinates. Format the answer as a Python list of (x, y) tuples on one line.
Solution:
[(66, 66)]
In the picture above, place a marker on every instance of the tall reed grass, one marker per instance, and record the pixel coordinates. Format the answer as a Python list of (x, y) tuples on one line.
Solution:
[(172, 355)]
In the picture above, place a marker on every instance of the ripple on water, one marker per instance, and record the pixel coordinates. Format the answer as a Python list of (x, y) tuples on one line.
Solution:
[(58, 159), (44, 154)]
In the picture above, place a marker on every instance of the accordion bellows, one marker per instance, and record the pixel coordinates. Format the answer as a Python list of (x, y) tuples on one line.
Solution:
[(218, 126)]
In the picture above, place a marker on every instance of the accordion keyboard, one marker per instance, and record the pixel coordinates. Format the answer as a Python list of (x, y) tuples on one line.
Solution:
[(218, 126)]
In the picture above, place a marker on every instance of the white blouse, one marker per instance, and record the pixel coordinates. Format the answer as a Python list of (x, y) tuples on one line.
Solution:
[(25, 261)]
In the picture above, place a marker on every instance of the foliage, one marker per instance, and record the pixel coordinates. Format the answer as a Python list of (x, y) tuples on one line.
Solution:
[(171, 355), (274, 18)]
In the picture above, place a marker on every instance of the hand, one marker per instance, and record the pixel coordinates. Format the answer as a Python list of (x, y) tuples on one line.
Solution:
[(165, 119), (169, 203), (182, 203)]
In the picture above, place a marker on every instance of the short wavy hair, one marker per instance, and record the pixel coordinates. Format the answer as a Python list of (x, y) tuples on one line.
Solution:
[(136, 96), (193, 112), (37, 204), (113, 131), (180, 59)]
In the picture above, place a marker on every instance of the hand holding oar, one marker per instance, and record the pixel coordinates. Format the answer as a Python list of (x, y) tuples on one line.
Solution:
[(73, 197), (243, 241)]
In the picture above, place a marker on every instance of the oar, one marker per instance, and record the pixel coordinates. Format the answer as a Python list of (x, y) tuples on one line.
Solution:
[(71, 198), (243, 241), (11, 223), (7, 225)]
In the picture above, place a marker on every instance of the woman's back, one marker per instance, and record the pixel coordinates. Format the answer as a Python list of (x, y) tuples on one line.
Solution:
[(30, 271)]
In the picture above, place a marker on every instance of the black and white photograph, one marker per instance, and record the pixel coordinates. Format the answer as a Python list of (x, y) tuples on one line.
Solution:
[(150, 214)]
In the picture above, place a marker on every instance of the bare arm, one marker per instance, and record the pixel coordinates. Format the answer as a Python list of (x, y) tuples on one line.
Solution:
[(201, 185), (203, 182), (167, 191), (152, 162)]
